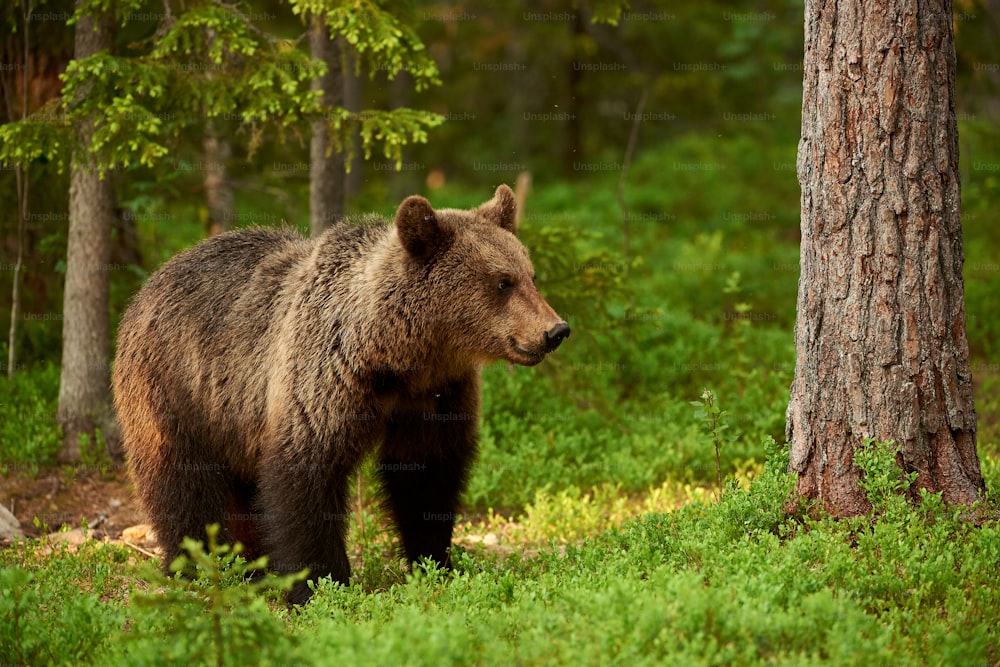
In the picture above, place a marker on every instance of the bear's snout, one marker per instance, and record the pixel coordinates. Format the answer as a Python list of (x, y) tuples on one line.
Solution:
[(555, 335)]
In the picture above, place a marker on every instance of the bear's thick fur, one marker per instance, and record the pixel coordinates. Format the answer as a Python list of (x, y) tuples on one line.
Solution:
[(256, 370)]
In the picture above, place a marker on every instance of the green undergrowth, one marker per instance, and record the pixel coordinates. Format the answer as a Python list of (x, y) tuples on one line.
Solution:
[(753, 579), (29, 435), (60, 606)]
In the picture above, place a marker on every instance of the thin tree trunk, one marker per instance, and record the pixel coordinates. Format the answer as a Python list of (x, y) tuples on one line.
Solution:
[(352, 102), (401, 183), (326, 169), (522, 188), (574, 78), (218, 187), (633, 139), (22, 179), (84, 388), (523, 100), (880, 336)]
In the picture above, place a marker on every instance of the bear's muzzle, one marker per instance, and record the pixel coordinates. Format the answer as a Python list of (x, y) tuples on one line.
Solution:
[(555, 335)]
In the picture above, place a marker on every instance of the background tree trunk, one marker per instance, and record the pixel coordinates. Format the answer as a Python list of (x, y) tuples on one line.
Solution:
[(352, 102), (880, 336), (84, 387), (326, 172), (22, 178), (405, 182), (218, 187), (574, 79)]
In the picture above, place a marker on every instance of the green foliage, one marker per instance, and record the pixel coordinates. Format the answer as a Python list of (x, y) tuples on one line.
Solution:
[(122, 8), (125, 127), (382, 40), (979, 147), (219, 63), (374, 547), (606, 11), (883, 482), (45, 618), (16, 604), (392, 129), (94, 452), (221, 612), (43, 135), (29, 434), (210, 62), (764, 507), (198, 68)]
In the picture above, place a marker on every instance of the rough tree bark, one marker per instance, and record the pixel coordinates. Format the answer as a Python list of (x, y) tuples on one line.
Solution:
[(326, 172), (85, 385), (880, 336)]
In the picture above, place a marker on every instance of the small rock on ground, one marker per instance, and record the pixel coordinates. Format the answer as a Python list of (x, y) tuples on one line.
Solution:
[(10, 527)]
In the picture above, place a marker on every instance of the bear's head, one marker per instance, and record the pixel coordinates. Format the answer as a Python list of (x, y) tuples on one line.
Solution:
[(476, 281)]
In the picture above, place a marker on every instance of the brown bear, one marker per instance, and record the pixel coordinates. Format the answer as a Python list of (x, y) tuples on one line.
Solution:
[(256, 370)]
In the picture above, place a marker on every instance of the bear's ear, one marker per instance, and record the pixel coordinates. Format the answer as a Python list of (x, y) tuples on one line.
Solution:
[(419, 228), (502, 209)]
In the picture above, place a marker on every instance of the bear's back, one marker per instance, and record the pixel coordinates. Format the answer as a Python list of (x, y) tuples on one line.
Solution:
[(217, 270), (197, 330)]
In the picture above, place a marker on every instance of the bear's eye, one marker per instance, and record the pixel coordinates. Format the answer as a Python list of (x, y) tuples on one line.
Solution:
[(505, 285)]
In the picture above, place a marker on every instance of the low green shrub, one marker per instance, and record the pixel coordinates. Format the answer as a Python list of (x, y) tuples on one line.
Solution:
[(61, 606), (218, 616), (29, 433)]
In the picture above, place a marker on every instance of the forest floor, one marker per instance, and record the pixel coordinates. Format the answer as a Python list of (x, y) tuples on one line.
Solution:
[(63, 500), (58, 496)]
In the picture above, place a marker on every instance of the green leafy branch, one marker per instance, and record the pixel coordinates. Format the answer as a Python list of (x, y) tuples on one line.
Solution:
[(211, 62), (121, 8), (391, 129), (377, 35)]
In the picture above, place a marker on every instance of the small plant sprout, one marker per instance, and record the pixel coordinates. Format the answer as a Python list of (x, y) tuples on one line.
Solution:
[(715, 424)]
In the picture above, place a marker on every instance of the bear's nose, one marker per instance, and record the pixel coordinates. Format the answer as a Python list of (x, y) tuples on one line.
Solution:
[(555, 335)]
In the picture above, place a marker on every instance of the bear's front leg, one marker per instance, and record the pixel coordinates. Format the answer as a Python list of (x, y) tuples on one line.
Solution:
[(424, 464), (304, 509)]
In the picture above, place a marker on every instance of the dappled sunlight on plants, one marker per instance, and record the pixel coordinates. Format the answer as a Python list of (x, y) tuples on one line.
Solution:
[(570, 514)]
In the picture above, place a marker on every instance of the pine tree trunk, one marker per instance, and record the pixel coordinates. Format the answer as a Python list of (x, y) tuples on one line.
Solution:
[(326, 171), (401, 183), (880, 337), (84, 388), (218, 187), (352, 102)]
